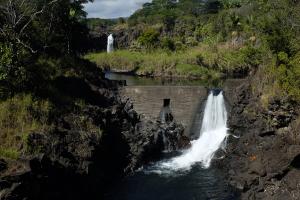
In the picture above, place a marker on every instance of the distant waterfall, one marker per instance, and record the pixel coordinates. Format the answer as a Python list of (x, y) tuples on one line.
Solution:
[(110, 43), (212, 136)]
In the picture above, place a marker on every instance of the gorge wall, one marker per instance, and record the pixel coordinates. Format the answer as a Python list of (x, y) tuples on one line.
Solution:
[(264, 161)]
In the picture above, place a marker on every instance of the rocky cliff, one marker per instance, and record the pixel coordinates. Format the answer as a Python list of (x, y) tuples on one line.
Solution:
[(263, 162), (88, 148)]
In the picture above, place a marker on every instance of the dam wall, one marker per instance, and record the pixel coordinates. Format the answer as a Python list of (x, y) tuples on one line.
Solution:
[(186, 102)]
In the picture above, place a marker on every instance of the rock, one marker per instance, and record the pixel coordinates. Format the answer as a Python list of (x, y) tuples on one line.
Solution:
[(257, 167), (90, 147), (263, 163), (156, 138), (267, 133), (296, 161), (3, 165), (184, 142), (124, 38)]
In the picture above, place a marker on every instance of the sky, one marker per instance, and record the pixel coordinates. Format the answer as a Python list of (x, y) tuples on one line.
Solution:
[(113, 8)]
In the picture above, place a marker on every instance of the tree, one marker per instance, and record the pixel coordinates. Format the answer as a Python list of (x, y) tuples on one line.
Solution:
[(149, 38), (30, 29)]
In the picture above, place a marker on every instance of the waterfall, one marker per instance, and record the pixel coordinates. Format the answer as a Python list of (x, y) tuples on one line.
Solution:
[(212, 136), (110, 43)]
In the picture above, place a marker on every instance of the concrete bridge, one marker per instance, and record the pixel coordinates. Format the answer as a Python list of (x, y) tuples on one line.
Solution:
[(186, 103)]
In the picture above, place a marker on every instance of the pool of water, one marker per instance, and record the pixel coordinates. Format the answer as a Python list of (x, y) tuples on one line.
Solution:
[(150, 183), (132, 80), (195, 184)]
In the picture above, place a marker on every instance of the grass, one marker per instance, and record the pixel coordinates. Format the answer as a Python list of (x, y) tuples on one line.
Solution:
[(210, 61), (9, 153), (201, 62), (154, 63), (20, 116)]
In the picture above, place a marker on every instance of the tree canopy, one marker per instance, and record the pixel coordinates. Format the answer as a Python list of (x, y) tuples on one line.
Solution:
[(31, 30)]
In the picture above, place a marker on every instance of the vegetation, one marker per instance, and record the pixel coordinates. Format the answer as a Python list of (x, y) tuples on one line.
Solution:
[(31, 31), (95, 23), (149, 39), (40, 42), (156, 63), (20, 116), (231, 37), (43, 41)]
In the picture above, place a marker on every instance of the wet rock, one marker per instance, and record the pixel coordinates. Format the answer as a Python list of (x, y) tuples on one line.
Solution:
[(150, 139)]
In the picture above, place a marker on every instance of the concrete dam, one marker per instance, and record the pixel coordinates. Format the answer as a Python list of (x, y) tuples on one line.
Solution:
[(186, 103)]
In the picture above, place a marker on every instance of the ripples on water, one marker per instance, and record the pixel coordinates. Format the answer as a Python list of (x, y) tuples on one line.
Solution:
[(195, 184)]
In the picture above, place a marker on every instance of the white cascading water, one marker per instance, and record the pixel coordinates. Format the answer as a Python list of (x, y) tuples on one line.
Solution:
[(212, 137), (110, 43)]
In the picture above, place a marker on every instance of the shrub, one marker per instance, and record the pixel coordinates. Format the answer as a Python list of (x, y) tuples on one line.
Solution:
[(5, 61), (253, 56), (168, 44), (149, 38), (19, 116), (232, 3), (283, 57)]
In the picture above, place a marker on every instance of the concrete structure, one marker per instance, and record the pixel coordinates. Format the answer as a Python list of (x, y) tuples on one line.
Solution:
[(186, 103)]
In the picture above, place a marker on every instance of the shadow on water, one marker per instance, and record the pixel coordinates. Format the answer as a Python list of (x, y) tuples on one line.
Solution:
[(195, 184), (133, 80)]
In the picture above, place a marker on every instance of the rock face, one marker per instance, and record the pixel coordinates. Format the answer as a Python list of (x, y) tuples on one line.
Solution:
[(264, 162), (3, 165), (126, 37), (89, 148)]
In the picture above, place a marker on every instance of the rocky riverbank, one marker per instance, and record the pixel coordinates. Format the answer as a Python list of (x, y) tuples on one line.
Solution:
[(264, 161), (89, 148)]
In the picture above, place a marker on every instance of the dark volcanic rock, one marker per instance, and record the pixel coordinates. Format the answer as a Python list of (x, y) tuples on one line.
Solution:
[(264, 162), (90, 147), (125, 37), (3, 165)]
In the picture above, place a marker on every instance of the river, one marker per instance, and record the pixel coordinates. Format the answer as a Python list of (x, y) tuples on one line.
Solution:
[(182, 175)]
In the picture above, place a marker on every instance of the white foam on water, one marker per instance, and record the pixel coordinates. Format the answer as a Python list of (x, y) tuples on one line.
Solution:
[(212, 137)]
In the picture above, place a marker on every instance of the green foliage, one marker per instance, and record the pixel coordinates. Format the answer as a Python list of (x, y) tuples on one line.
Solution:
[(283, 57), (169, 21), (231, 37), (20, 116), (149, 39), (31, 30), (9, 153), (5, 61), (95, 23), (168, 44), (232, 3), (155, 63), (253, 56), (288, 77), (190, 70)]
